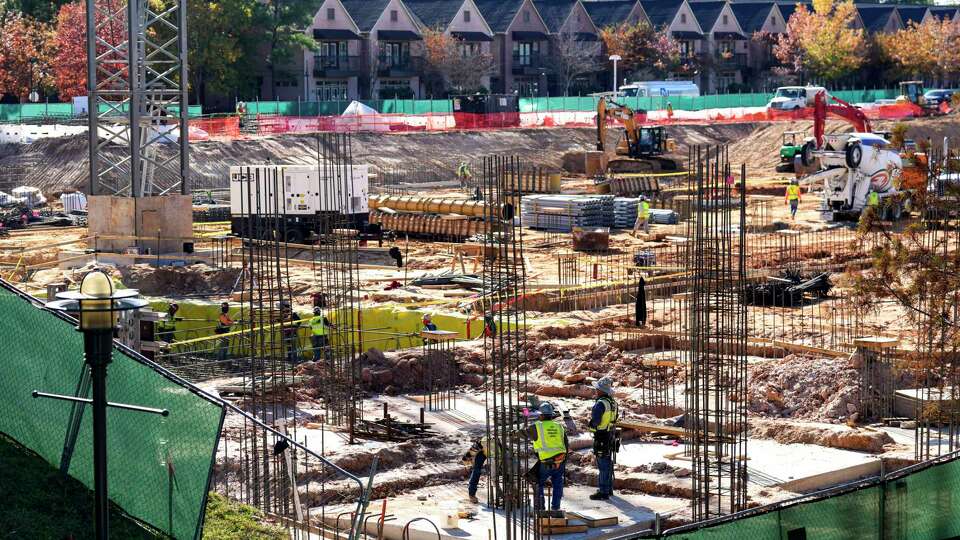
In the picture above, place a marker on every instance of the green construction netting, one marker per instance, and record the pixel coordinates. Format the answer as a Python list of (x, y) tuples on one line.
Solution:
[(159, 468), (923, 505), (13, 112)]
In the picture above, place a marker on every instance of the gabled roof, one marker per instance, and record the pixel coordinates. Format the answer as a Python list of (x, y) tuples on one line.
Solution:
[(661, 12), (499, 13), (875, 16), (554, 12), (365, 13), (787, 8), (941, 12), (434, 13), (609, 12), (912, 13), (707, 13), (751, 15)]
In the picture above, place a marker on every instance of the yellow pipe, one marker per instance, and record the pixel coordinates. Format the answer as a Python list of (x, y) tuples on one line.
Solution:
[(427, 205)]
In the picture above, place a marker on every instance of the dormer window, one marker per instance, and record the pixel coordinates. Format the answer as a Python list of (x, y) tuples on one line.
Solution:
[(683, 18), (331, 14), (466, 16), (526, 16), (726, 20), (394, 17)]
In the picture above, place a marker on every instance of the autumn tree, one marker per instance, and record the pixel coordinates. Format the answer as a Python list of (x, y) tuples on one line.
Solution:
[(642, 47), (457, 64), (570, 58), (823, 42), (927, 50), (69, 63), (26, 50)]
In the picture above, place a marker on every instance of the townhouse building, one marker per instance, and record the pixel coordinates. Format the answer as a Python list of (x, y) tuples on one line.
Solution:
[(375, 48)]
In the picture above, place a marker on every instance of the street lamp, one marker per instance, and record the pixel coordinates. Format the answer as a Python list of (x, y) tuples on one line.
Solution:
[(98, 306), (615, 58)]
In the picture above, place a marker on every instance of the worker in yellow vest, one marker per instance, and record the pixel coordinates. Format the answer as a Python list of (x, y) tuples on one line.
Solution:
[(463, 173), (643, 216), (792, 197), (603, 424), (873, 205), (550, 444), (320, 327)]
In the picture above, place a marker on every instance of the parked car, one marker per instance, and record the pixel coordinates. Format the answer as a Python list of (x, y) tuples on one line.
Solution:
[(936, 97), (789, 98)]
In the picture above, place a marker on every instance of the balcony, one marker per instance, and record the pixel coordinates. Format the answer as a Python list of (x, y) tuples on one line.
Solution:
[(529, 64), (730, 60), (329, 67), (399, 65)]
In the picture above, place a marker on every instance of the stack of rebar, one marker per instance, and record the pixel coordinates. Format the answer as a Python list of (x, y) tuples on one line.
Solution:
[(564, 212)]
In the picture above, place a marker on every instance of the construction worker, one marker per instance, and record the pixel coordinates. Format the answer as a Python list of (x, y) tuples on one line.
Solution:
[(290, 331), (550, 443), (476, 457), (669, 111), (169, 326), (640, 305), (643, 216), (224, 324), (792, 197), (319, 330), (428, 323), (873, 204), (603, 424), (463, 173)]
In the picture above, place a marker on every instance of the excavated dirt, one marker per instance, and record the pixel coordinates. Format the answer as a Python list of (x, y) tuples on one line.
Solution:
[(803, 387), (174, 280), (859, 439)]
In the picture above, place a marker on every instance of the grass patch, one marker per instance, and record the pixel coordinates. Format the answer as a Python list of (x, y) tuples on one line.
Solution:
[(228, 520), (40, 504)]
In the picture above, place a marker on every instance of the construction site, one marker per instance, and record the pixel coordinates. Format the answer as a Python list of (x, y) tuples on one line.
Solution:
[(339, 328)]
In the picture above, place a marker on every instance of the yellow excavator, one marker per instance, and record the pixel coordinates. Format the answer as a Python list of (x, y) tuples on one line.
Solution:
[(641, 148)]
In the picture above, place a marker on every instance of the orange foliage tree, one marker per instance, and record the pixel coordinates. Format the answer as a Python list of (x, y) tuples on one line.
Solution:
[(25, 56), (823, 42), (927, 50), (70, 40), (458, 64), (642, 47)]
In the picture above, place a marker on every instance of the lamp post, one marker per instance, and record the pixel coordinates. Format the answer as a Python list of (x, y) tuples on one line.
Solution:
[(98, 306), (615, 58)]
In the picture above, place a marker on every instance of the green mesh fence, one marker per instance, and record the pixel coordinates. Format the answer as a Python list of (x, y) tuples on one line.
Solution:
[(12, 112), (159, 468), (907, 505)]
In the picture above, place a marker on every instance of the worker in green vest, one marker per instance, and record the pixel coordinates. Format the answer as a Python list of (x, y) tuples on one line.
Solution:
[(873, 205), (320, 327), (643, 216), (463, 173), (550, 444), (792, 197), (603, 424)]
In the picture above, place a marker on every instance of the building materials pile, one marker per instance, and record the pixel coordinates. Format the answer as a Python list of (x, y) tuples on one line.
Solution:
[(625, 211), (564, 212), (787, 290)]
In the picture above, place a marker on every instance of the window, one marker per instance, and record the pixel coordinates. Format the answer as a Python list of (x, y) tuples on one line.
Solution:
[(726, 20), (525, 53), (393, 15), (527, 87), (394, 53), (331, 14), (686, 48), (466, 16), (332, 91), (468, 50), (395, 88), (773, 20), (683, 18), (726, 80), (331, 55), (526, 16)]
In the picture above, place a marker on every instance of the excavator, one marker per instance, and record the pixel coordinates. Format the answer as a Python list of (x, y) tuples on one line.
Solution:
[(641, 148), (851, 165)]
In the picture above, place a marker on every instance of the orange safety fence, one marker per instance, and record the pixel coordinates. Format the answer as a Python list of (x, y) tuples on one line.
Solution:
[(229, 127), (215, 128)]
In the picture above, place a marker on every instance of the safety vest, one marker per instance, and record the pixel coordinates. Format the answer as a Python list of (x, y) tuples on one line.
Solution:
[(224, 322), (644, 209), (489, 449), (463, 170), (611, 413), (793, 192), (317, 325), (873, 199), (549, 441)]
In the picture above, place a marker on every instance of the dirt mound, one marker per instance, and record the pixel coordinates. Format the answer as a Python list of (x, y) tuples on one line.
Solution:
[(801, 387), (859, 439), (174, 280)]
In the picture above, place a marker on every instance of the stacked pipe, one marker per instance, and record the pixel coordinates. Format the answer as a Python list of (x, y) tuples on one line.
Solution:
[(563, 212), (433, 215)]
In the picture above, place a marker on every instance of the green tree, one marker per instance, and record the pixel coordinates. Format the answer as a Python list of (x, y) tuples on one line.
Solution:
[(223, 41), (40, 10), (283, 23)]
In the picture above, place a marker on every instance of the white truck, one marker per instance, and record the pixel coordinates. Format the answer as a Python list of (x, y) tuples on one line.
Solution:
[(659, 89), (298, 195), (853, 164), (791, 98)]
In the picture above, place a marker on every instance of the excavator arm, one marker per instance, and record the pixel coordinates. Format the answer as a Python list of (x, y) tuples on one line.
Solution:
[(607, 107), (821, 107)]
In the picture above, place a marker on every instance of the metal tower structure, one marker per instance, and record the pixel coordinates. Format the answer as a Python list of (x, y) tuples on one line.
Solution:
[(137, 77)]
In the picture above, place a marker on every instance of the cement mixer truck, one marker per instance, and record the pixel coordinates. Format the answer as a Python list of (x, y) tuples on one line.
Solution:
[(850, 165)]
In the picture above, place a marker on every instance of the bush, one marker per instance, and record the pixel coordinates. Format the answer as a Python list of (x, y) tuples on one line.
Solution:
[(898, 135)]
